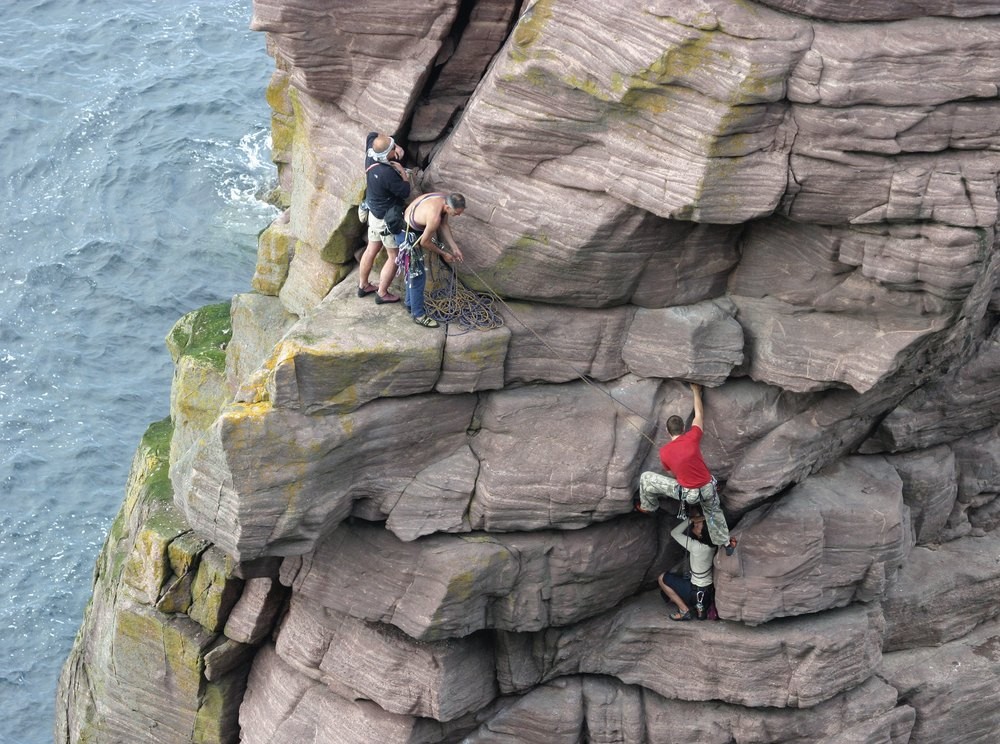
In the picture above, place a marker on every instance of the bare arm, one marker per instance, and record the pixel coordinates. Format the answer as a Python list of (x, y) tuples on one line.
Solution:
[(449, 240), (699, 409)]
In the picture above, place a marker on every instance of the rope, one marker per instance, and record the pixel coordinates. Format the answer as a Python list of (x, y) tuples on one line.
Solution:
[(456, 303)]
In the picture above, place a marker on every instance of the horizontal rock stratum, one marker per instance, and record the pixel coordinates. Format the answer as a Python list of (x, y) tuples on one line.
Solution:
[(355, 529)]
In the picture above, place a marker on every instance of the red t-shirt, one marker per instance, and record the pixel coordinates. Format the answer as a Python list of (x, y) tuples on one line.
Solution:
[(682, 457)]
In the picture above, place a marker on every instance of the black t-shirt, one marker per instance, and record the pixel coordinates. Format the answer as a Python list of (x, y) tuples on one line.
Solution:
[(385, 186)]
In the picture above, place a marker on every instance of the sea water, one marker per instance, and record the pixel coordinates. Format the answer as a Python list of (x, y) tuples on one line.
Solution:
[(135, 151)]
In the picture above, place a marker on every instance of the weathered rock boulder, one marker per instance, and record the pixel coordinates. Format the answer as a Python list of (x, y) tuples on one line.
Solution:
[(140, 669), (258, 322), (447, 586), (838, 537), (604, 709), (197, 345), (930, 486), (791, 663), (965, 400), (977, 460), (953, 688), (594, 437), (702, 343), (283, 706), (885, 10), (444, 680), (265, 481), (943, 592)]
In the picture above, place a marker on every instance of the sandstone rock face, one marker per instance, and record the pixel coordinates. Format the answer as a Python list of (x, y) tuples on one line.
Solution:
[(952, 688), (607, 710), (443, 680), (790, 664), (837, 537), (377, 532), (943, 593), (865, 10), (450, 586)]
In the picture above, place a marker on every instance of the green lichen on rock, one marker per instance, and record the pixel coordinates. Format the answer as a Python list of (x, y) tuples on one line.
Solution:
[(133, 664), (279, 97), (148, 490), (275, 248), (203, 334), (215, 590), (185, 551), (529, 29), (198, 344), (217, 720), (147, 567), (339, 249)]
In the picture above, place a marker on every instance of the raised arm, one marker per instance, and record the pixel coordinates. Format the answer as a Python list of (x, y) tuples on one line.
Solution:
[(699, 409)]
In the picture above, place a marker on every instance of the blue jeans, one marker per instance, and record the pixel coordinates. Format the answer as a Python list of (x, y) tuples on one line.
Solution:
[(415, 284)]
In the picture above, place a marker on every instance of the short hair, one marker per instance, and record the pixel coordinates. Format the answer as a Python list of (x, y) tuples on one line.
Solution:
[(675, 426), (455, 201)]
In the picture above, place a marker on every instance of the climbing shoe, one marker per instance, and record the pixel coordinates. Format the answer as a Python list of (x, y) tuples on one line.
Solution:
[(426, 321)]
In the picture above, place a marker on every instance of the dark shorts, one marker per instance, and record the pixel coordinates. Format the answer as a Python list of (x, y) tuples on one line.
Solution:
[(686, 590)]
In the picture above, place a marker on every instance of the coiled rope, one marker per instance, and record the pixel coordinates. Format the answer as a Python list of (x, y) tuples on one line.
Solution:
[(455, 303)]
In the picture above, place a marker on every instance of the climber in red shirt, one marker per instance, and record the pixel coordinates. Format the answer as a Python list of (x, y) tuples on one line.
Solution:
[(690, 480)]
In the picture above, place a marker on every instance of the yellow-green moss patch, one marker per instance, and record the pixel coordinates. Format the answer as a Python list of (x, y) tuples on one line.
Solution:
[(204, 334)]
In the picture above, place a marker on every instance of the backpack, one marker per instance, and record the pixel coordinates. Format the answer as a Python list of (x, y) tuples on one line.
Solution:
[(394, 222)]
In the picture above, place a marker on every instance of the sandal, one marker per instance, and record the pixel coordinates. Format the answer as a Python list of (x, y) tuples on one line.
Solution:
[(389, 297), (366, 290), (681, 616), (426, 321)]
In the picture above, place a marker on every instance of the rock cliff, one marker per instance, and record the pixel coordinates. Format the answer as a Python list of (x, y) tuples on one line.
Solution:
[(355, 529)]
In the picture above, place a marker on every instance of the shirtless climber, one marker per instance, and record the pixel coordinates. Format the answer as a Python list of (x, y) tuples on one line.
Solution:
[(427, 225), (690, 482)]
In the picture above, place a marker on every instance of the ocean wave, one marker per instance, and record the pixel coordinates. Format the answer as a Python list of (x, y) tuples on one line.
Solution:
[(135, 149)]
